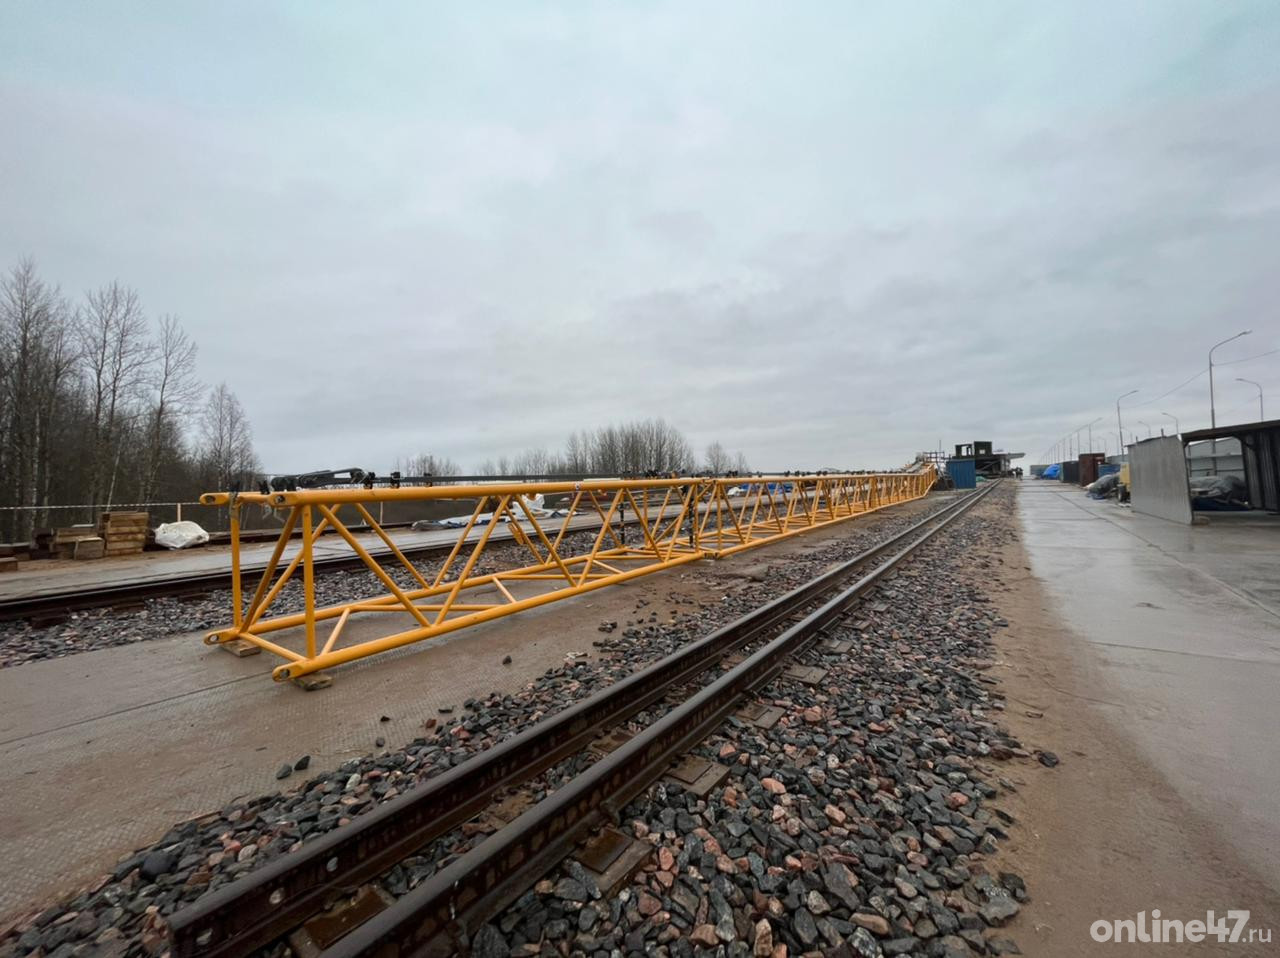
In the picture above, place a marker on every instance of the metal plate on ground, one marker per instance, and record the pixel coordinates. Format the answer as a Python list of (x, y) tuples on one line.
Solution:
[(838, 646), (761, 716), (697, 775), (327, 927), (609, 743), (620, 856), (808, 674), (603, 849)]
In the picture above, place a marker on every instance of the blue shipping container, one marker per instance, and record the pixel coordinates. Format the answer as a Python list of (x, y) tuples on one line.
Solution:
[(963, 472)]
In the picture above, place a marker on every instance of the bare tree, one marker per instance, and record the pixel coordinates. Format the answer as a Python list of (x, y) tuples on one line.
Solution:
[(227, 451), (58, 405), (116, 356), (717, 461), (33, 358), (426, 464), (173, 389)]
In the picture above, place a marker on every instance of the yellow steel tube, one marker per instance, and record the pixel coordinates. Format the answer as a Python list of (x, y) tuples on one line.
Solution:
[(552, 554), (267, 645), (457, 546), (595, 549), (337, 631), (238, 615), (564, 526), (373, 647), (391, 545), (274, 561), (503, 589), (256, 613), (309, 581), (644, 524), (370, 562), (472, 491), (466, 569)]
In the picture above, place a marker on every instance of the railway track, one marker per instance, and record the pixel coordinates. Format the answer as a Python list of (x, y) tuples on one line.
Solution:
[(55, 604), (49, 608), (439, 915)]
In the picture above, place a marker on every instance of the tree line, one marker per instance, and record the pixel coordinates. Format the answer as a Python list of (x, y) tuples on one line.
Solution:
[(629, 449), (100, 404)]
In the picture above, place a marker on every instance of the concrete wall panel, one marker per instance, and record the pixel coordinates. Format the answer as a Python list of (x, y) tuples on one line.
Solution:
[(1158, 479)]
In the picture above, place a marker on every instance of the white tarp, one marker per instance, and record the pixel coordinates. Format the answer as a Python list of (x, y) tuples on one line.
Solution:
[(180, 535), (536, 505)]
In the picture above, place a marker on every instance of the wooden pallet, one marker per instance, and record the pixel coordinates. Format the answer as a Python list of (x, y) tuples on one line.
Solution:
[(125, 533), (64, 540)]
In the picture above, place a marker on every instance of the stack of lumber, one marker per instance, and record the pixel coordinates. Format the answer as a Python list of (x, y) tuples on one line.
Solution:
[(12, 553), (125, 533), (90, 547), (65, 539)]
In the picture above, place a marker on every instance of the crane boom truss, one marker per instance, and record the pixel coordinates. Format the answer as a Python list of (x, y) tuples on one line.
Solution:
[(679, 520)]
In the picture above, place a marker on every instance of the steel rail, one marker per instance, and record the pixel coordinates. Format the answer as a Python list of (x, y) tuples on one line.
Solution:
[(439, 916), (27, 606), (281, 895)]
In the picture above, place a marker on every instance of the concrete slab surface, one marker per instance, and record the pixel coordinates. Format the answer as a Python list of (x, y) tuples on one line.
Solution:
[(1184, 623)]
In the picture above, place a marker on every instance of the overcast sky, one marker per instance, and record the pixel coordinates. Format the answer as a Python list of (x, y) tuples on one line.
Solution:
[(825, 234)]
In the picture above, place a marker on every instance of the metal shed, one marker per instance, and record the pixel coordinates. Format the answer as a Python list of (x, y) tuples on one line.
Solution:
[(1260, 444)]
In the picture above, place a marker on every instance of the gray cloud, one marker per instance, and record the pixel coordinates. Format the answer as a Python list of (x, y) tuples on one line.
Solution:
[(830, 237)]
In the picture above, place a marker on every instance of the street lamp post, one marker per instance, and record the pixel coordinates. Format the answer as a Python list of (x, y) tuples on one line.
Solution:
[(1119, 425), (1148, 425), (1261, 415), (1176, 428), (1213, 416)]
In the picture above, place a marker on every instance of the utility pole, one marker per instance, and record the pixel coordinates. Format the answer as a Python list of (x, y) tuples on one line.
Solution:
[(1090, 428), (1261, 416), (1213, 415), (1119, 425)]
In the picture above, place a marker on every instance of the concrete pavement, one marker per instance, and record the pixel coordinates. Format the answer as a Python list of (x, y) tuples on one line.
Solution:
[(1183, 623)]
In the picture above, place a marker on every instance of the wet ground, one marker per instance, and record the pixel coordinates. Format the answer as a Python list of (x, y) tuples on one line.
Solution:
[(1147, 656), (1184, 624)]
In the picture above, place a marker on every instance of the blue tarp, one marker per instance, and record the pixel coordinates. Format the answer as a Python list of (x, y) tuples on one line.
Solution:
[(1052, 471)]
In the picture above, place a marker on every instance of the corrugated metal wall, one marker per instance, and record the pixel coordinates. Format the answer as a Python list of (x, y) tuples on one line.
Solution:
[(963, 472), (1262, 469)]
